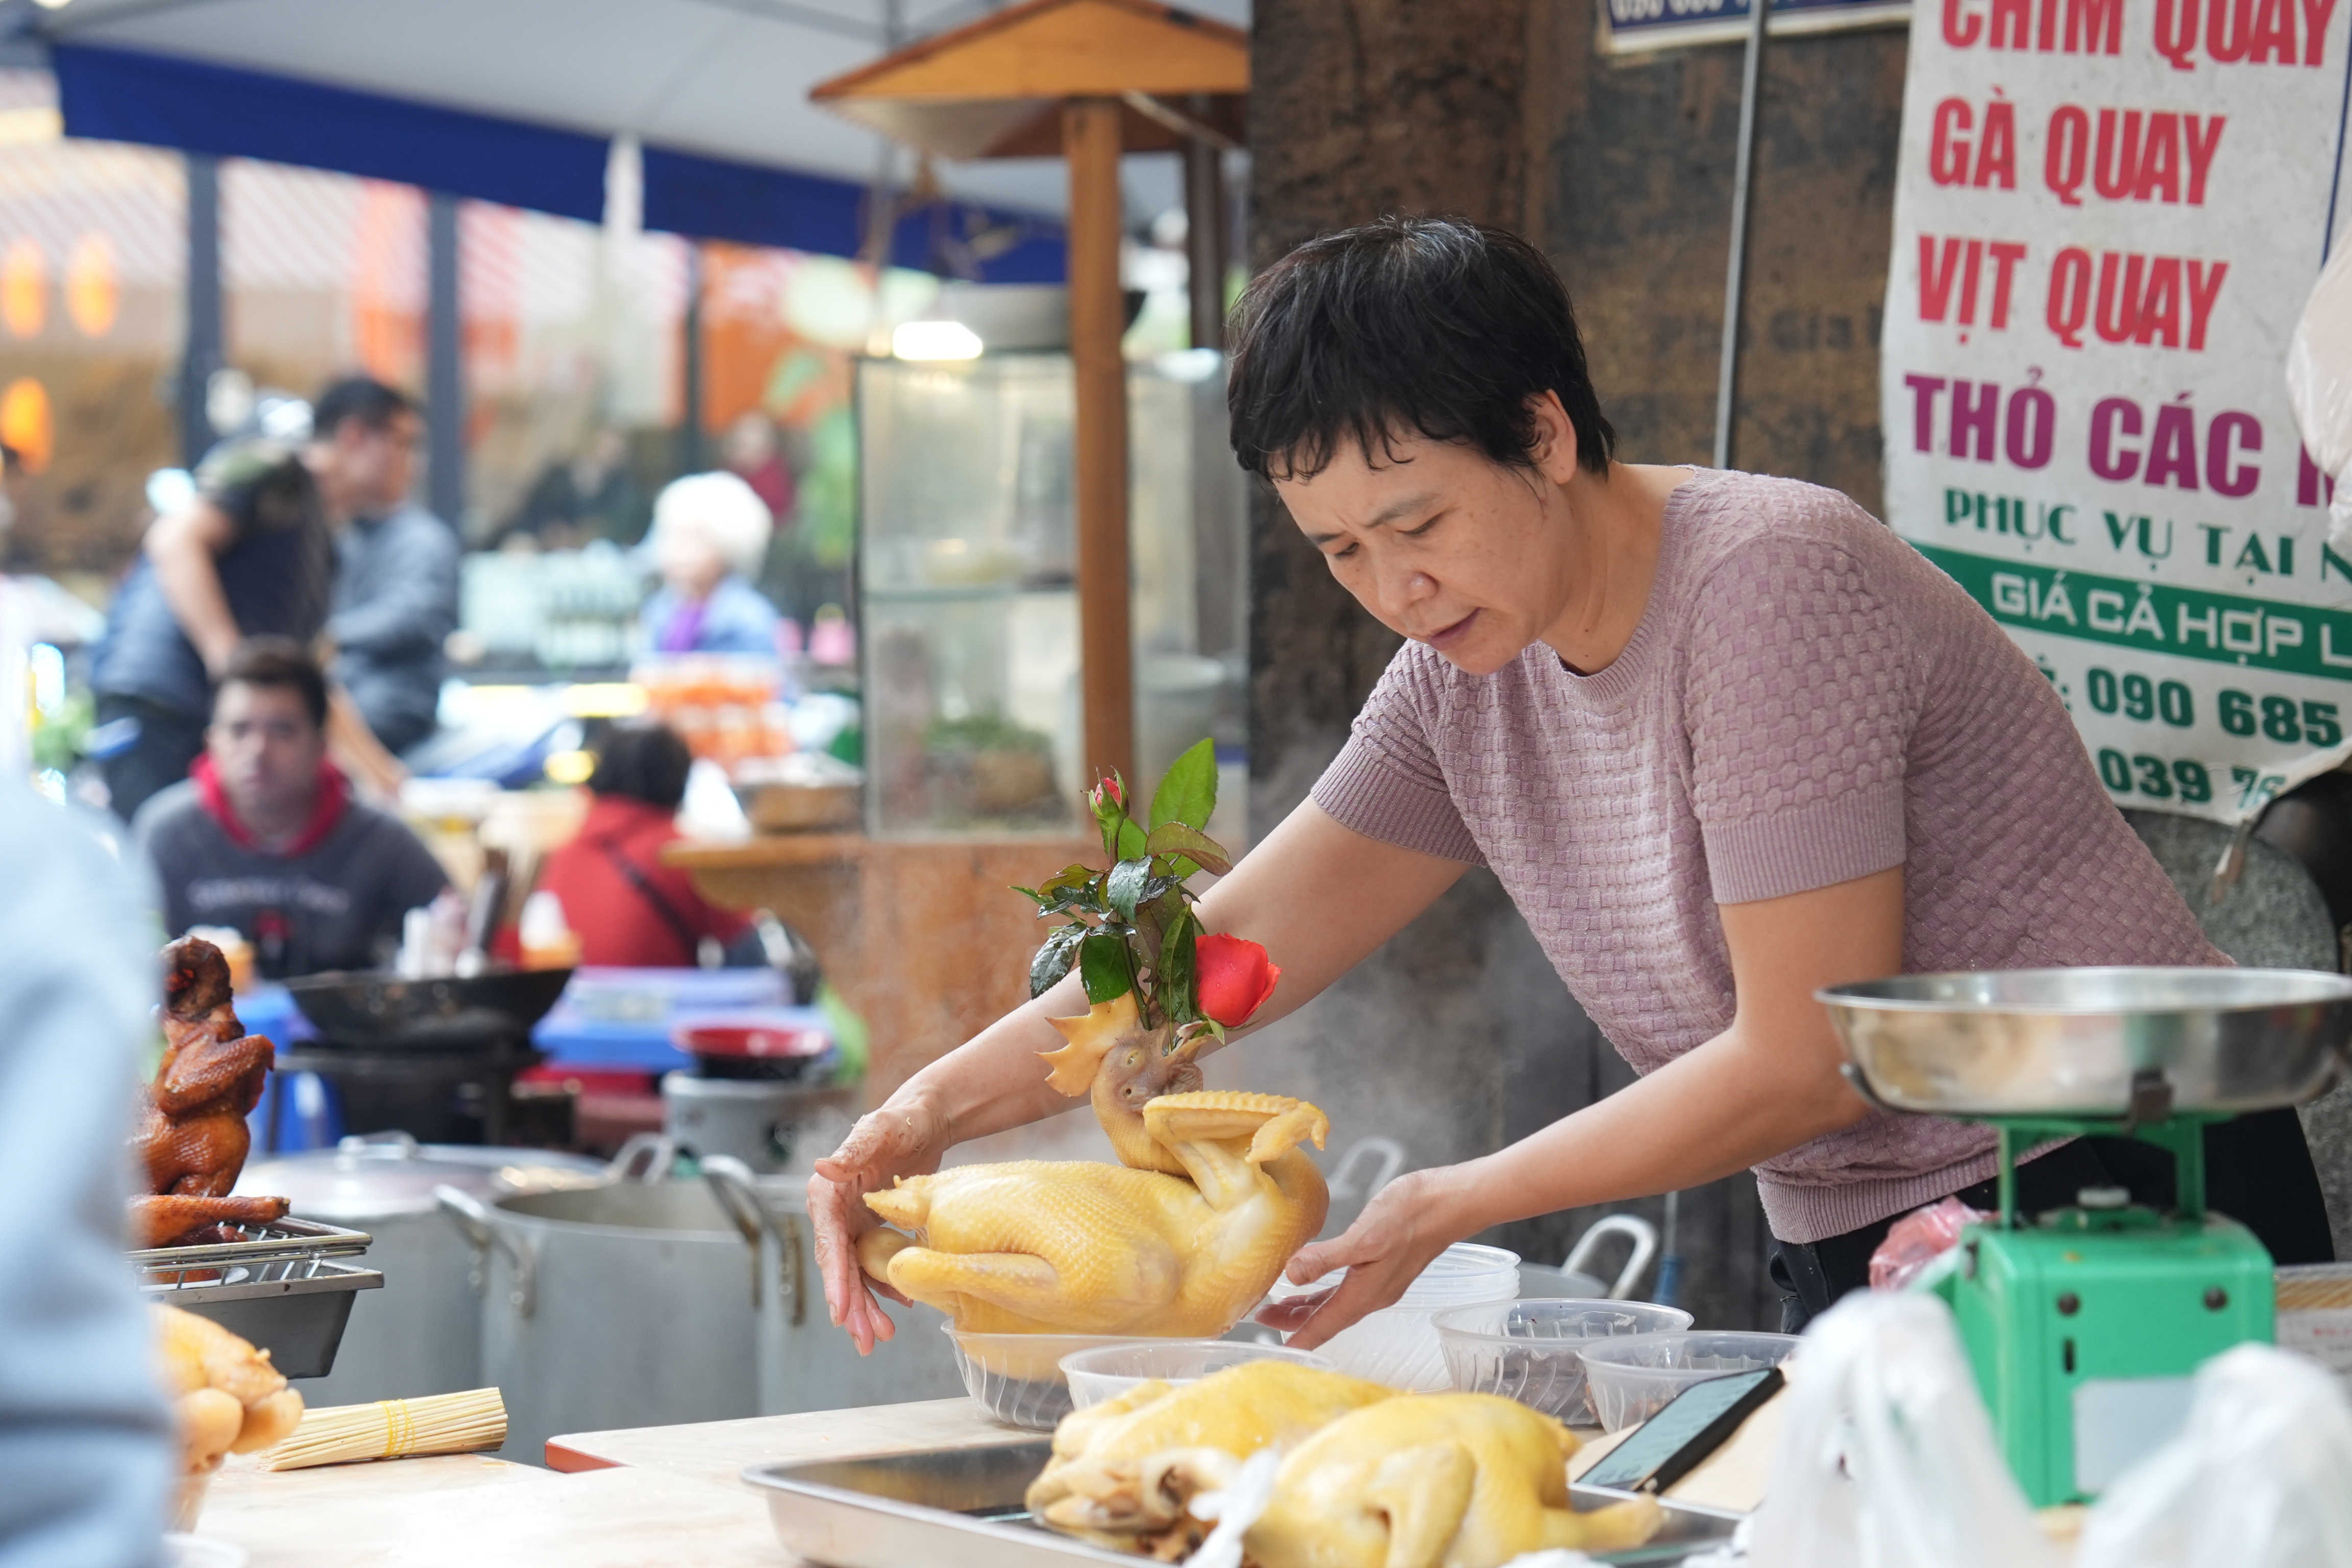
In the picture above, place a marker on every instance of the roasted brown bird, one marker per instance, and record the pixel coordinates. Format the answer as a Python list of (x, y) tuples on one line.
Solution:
[(190, 1136)]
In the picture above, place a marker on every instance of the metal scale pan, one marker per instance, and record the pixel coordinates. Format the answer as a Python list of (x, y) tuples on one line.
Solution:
[(2117, 1044)]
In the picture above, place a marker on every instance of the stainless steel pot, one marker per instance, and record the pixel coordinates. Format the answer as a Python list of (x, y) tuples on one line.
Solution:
[(642, 1306), (422, 1333)]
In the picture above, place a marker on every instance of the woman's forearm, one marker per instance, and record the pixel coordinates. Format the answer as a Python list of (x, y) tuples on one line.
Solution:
[(1723, 1108), (994, 1082)]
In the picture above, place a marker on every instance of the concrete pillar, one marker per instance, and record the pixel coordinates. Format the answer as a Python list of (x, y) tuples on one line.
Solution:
[(1457, 1037)]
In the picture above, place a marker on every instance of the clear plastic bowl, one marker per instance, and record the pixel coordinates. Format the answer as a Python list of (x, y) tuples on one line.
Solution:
[(1633, 1377), (1018, 1378), (1532, 1350), (1397, 1345), (1109, 1371)]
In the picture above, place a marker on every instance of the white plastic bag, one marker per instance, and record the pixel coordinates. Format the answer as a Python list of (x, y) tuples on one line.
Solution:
[(2319, 385), (1886, 1457), (2261, 1476)]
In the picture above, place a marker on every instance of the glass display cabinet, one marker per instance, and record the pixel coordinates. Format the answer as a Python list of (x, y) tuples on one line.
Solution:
[(969, 612)]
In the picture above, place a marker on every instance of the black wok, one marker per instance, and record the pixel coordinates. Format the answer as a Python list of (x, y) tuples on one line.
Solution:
[(379, 1011)]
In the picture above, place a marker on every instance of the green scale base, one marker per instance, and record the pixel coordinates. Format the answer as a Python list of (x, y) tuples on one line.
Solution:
[(2086, 1329)]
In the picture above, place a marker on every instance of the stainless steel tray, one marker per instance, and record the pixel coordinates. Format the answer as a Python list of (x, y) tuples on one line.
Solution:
[(963, 1506), (294, 1308), (2094, 1043)]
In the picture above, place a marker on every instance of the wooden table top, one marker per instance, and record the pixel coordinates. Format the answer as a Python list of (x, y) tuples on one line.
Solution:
[(719, 1451), (431, 1512)]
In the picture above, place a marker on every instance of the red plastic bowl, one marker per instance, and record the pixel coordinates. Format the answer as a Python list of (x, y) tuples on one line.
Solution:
[(752, 1050)]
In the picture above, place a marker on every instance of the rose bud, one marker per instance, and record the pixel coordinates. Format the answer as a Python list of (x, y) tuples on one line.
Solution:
[(1234, 976)]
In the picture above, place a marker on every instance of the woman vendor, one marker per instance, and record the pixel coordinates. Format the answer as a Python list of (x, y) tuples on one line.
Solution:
[(1724, 739)]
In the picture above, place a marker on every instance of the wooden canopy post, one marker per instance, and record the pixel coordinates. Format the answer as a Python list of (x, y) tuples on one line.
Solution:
[(1090, 141)]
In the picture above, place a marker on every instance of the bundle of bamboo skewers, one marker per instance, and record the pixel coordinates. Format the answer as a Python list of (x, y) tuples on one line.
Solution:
[(394, 1429)]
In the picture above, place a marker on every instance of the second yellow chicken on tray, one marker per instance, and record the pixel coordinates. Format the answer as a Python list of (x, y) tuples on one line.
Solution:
[(1369, 1478)]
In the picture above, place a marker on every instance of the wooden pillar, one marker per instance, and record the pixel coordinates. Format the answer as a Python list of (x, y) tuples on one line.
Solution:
[(1090, 141)]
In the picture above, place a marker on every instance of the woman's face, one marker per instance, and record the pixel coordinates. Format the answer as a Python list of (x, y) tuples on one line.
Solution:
[(1445, 545)]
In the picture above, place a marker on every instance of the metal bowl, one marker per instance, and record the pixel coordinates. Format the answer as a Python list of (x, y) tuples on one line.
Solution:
[(2071, 1042)]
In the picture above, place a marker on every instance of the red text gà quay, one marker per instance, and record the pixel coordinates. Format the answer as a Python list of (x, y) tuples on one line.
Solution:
[(2131, 154)]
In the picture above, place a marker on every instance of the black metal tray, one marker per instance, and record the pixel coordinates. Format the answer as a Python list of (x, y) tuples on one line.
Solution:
[(963, 1506), (280, 1287), (298, 1320)]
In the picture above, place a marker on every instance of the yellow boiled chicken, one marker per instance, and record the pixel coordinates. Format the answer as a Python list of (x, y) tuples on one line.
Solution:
[(1212, 1196), (1124, 1470), (1439, 1480), (226, 1399)]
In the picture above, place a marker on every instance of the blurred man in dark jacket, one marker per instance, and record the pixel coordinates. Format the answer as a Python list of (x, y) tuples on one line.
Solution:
[(254, 553), (395, 595)]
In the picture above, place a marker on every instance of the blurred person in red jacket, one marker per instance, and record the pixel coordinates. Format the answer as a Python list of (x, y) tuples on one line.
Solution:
[(629, 909)]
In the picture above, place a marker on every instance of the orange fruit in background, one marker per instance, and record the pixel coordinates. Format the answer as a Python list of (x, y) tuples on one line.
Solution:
[(23, 289), (26, 424), (93, 296)]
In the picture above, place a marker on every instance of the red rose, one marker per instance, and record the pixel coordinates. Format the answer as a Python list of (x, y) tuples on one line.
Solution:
[(1235, 977)]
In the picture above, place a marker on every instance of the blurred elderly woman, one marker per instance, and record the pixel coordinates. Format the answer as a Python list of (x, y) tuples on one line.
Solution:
[(709, 534)]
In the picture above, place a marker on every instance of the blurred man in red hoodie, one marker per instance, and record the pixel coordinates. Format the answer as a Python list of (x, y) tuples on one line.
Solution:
[(629, 908), (263, 834)]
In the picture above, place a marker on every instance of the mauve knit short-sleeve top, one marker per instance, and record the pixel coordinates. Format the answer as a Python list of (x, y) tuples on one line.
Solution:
[(1805, 701)]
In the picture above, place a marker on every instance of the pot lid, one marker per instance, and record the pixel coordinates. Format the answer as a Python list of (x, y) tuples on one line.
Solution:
[(389, 1174)]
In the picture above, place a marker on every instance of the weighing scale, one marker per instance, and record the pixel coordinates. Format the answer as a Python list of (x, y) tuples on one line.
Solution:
[(2085, 1324)]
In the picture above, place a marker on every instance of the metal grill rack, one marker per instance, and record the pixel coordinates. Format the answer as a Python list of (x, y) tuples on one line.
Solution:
[(280, 1287)]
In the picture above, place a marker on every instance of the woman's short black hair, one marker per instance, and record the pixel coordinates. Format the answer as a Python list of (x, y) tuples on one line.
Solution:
[(643, 761), (1430, 326)]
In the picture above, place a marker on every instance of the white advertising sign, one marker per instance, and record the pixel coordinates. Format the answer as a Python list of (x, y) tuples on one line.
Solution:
[(1638, 27), (2109, 214)]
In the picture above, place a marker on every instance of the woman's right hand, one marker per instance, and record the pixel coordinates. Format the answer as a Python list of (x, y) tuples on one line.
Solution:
[(906, 1137)]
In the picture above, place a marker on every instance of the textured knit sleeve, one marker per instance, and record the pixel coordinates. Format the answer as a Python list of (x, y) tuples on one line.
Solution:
[(1798, 705), (1386, 783)]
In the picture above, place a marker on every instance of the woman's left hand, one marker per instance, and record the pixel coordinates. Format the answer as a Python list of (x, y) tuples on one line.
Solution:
[(1407, 1224)]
